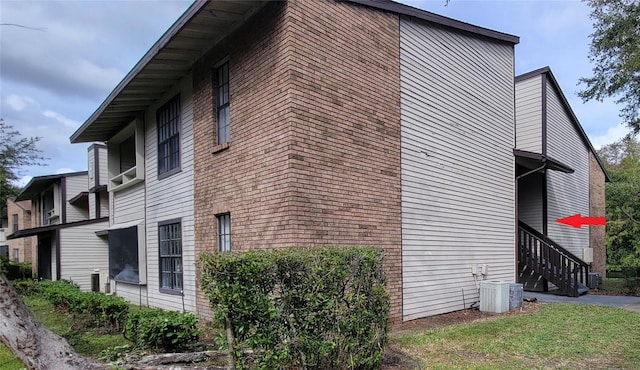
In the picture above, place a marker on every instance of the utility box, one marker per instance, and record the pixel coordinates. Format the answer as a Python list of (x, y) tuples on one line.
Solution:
[(494, 296), (515, 295), (594, 280)]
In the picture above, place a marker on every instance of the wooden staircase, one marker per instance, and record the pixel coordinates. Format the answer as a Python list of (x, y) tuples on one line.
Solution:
[(543, 257)]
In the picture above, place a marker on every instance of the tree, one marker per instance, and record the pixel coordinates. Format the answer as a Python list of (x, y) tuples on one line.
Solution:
[(15, 152), (622, 160), (615, 52)]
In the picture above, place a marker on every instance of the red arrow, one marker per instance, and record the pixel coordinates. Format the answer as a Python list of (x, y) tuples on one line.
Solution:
[(578, 220)]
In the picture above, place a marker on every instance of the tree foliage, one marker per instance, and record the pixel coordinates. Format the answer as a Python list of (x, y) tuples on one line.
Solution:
[(15, 152), (615, 53), (622, 160)]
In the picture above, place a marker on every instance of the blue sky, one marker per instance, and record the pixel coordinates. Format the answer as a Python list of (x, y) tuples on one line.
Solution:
[(54, 76)]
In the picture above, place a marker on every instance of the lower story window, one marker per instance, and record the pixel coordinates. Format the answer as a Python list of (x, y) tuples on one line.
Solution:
[(123, 255), (16, 255), (170, 239), (224, 232)]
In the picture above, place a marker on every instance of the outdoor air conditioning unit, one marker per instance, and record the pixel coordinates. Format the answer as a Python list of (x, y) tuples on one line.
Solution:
[(494, 296), (594, 280)]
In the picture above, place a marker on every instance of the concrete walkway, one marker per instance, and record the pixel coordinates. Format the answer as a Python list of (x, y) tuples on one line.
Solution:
[(630, 303)]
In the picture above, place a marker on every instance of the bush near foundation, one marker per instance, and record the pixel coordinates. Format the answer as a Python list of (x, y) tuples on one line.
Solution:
[(15, 270), (311, 308), (160, 329)]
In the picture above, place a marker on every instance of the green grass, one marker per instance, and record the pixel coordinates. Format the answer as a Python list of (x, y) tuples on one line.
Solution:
[(7, 360), (558, 336), (88, 342)]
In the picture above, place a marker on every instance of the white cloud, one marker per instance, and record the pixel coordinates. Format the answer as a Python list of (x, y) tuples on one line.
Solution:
[(613, 134), (22, 181), (60, 118), (19, 103), (64, 170)]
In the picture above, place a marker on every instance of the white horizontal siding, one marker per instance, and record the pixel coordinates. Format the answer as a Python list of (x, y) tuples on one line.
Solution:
[(567, 194), (91, 166), (92, 206), (457, 136), (529, 114), (103, 168), (171, 198), (75, 185), (104, 204), (136, 294), (82, 252), (530, 200), (128, 204)]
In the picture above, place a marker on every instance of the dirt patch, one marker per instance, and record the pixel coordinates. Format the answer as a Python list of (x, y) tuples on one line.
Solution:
[(623, 291), (459, 317)]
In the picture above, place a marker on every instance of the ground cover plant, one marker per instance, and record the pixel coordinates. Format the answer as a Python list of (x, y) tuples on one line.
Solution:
[(557, 336)]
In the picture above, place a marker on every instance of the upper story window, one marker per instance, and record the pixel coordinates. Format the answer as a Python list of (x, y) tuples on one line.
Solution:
[(14, 220), (221, 80), (168, 119), (224, 232)]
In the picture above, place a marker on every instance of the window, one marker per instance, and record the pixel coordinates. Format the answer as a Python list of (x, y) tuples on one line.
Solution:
[(222, 103), (123, 255), (4, 251), (14, 220), (16, 255), (224, 232), (170, 239), (127, 152), (168, 119)]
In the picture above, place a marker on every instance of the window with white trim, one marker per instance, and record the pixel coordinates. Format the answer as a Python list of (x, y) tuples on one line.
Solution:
[(221, 76), (170, 240), (224, 232), (168, 120)]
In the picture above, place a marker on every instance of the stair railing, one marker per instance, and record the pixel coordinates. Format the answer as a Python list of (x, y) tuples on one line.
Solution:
[(550, 260)]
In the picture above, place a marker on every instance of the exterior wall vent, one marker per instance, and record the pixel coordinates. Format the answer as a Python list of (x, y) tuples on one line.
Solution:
[(494, 296)]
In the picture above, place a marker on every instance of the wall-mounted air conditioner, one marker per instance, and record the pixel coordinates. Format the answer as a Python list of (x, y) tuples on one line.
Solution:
[(52, 213), (587, 255), (494, 296)]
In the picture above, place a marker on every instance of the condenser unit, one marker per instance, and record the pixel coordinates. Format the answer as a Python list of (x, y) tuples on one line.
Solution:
[(494, 296)]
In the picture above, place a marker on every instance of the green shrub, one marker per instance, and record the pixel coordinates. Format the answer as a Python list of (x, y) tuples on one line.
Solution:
[(316, 308), (27, 287), (160, 329), (103, 309), (15, 270)]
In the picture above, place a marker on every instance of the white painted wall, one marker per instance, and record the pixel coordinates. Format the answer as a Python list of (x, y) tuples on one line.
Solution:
[(529, 114), (74, 186), (81, 252), (457, 137), (171, 198), (567, 193)]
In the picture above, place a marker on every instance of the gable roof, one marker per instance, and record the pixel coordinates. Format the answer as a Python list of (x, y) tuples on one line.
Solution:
[(565, 103), (39, 184), (201, 26)]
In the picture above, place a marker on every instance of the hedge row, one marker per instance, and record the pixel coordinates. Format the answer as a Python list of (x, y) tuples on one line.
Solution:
[(107, 310), (15, 270), (317, 308)]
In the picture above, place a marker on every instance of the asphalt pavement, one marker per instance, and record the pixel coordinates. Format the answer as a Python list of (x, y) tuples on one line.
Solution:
[(630, 303)]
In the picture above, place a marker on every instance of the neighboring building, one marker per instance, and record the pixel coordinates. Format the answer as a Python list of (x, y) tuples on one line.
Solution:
[(4, 248), (19, 218), (69, 222), (271, 124), (572, 179)]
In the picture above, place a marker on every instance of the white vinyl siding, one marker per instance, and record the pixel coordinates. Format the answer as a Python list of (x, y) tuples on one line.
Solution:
[(530, 200), (91, 167), (529, 114), (104, 204), (128, 205), (103, 170), (92, 206), (171, 198), (567, 194), (74, 186), (457, 137), (82, 252)]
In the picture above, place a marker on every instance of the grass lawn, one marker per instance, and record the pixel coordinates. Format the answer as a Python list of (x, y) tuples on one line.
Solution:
[(557, 336), (7, 360)]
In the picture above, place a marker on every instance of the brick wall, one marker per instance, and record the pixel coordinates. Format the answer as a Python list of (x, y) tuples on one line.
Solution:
[(314, 156), (24, 245), (597, 208), (345, 148)]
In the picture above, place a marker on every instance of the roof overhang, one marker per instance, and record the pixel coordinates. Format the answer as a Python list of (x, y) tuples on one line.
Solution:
[(202, 25), (46, 229), (402, 9), (39, 184), (567, 107), (531, 160)]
